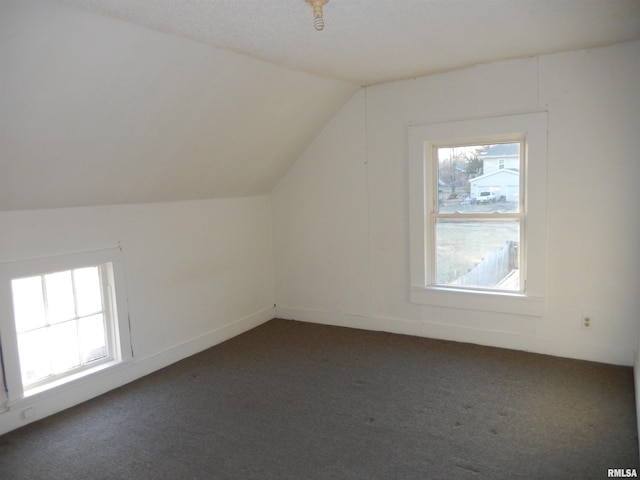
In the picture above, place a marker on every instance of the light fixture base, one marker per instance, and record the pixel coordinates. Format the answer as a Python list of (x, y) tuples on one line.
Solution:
[(318, 20)]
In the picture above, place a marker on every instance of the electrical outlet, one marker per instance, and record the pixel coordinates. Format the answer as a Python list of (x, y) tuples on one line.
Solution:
[(587, 321)]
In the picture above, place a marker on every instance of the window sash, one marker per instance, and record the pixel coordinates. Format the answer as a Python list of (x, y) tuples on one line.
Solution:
[(106, 311), (118, 332), (436, 216), (432, 253)]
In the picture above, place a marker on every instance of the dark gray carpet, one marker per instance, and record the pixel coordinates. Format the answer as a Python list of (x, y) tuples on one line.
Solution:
[(291, 400)]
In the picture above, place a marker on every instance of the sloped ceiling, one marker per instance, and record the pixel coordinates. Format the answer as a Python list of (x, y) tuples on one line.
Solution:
[(128, 101), (97, 111)]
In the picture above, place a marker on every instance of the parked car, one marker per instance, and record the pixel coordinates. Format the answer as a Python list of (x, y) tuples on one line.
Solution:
[(485, 197)]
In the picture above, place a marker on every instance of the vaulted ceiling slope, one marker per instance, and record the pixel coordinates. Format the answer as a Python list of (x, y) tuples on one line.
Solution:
[(133, 101), (94, 111)]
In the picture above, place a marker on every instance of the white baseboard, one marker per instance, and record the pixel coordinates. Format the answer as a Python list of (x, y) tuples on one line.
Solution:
[(198, 344), (339, 319), (455, 333), (460, 333), (47, 403)]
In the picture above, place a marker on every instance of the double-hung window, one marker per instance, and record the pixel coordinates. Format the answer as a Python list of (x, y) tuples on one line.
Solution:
[(478, 213), (61, 320), (475, 221)]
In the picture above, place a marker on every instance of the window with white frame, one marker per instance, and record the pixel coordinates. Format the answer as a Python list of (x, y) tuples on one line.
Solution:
[(478, 213), (62, 321)]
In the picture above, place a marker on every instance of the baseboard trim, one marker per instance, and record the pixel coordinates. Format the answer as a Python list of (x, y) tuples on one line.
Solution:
[(28, 410), (461, 333), (340, 319), (191, 347)]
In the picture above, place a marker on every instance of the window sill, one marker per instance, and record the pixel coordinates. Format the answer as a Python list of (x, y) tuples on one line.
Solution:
[(513, 303), (72, 381)]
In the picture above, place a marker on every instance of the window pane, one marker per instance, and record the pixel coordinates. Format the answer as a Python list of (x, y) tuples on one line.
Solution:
[(88, 293), (64, 346), (33, 349), (92, 338), (28, 303), (60, 304), (64, 329), (478, 254), (479, 178)]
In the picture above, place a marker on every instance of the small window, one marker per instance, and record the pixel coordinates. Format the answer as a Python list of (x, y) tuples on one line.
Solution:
[(62, 323), (59, 320)]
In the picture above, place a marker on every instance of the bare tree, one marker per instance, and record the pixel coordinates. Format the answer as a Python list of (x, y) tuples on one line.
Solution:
[(453, 164), (474, 164)]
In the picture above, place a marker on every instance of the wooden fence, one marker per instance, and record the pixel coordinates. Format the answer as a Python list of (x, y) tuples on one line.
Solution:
[(492, 269)]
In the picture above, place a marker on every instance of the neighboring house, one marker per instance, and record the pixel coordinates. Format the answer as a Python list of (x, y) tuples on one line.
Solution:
[(501, 182), (500, 157), (441, 186)]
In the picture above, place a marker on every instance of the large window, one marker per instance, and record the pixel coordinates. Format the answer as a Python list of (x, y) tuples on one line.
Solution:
[(61, 323), (476, 216), (478, 212)]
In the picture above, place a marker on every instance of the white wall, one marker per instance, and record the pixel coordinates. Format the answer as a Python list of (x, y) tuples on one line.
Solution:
[(198, 273), (341, 212)]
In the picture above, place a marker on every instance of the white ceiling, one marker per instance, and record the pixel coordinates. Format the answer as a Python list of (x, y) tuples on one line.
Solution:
[(373, 41)]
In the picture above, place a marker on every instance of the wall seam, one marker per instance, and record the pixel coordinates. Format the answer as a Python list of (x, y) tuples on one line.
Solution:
[(368, 204)]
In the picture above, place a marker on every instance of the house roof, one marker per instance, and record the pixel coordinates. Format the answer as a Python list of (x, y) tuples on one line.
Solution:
[(501, 150), (502, 171)]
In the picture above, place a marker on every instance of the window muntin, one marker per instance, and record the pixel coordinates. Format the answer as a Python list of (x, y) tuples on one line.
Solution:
[(475, 225)]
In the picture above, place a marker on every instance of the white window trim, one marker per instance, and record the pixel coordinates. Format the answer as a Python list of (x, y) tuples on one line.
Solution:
[(422, 138), (116, 291)]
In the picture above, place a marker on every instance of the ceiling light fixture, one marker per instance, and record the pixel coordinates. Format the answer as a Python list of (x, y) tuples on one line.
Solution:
[(318, 21)]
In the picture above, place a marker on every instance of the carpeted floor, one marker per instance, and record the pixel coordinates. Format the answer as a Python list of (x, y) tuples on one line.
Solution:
[(290, 400)]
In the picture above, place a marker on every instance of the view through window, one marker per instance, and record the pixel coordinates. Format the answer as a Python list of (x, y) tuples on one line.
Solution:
[(477, 216)]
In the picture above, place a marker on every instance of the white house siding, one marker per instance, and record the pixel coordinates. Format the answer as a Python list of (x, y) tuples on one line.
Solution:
[(501, 182), (490, 165)]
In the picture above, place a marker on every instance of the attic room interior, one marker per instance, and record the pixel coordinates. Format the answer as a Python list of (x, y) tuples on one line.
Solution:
[(227, 183)]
